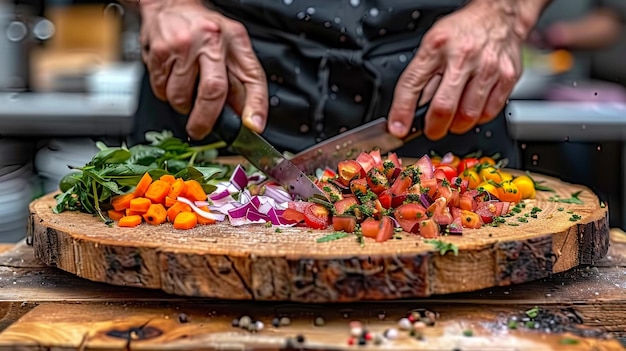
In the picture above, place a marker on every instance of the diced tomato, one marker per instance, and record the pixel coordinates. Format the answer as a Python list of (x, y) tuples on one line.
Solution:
[(409, 225), (467, 163), (386, 229), (470, 219), (401, 184), (343, 205), (410, 211), (348, 170), (429, 229), (332, 192), (459, 183), (390, 170), (359, 186), (467, 202), (425, 167), (377, 181), (369, 227), (443, 190), (397, 200), (293, 215), (386, 199), (378, 159), (344, 223), (316, 216), (393, 157), (366, 161), (444, 171), (439, 212), (428, 186), (328, 174), (299, 206), (374, 207), (381, 230), (455, 198)]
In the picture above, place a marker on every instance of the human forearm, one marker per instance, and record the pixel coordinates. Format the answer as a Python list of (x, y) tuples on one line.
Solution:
[(599, 29), (523, 13)]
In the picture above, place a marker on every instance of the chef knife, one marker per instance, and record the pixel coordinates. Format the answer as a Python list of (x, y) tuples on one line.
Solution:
[(263, 155), (348, 145)]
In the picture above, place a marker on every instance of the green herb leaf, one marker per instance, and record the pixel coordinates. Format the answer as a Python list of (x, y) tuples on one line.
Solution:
[(538, 185), (533, 312), (574, 199), (569, 341), (332, 237), (443, 247)]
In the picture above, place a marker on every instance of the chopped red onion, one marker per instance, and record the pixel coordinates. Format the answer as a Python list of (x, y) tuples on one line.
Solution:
[(205, 214), (239, 178)]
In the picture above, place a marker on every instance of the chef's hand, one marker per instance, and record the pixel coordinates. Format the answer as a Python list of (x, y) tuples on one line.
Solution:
[(466, 66), (182, 40)]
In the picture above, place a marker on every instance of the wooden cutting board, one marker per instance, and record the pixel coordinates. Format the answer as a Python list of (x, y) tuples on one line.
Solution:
[(259, 263)]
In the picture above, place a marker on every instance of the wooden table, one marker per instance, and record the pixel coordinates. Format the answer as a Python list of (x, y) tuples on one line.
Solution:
[(46, 308)]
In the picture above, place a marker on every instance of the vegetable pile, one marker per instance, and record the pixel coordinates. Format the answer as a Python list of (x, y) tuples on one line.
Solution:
[(440, 195), (370, 196)]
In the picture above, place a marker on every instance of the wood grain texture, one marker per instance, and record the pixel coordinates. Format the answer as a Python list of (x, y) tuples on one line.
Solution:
[(46, 308), (202, 326), (255, 262)]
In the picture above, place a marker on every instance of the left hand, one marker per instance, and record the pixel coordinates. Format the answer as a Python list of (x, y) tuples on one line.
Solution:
[(468, 64)]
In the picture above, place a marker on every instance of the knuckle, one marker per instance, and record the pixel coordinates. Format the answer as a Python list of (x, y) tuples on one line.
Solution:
[(442, 107), (237, 30), (213, 88), (489, 65)]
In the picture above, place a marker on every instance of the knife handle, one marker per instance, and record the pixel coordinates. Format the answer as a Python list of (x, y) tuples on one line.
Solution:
[(227, 125), (419, 120)]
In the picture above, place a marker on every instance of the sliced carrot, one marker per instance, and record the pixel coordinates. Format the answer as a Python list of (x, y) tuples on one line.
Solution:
[(168, 178), (122, 202), (143, 185), (115, 215), (140, 204), (177, 208), (177, 188), (129, 221), (169, 202), (204, 220), (156, 214), (129, 212), (194, 191), (185, 220), (157, 191)]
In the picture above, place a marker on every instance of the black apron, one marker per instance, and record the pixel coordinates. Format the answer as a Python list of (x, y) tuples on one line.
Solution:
[(331, 66)]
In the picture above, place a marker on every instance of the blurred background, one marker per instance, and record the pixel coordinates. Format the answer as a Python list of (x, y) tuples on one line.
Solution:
[(70, 73)]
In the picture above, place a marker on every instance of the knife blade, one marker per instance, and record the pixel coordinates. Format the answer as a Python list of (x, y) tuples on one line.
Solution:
[(349, 144), (263, 155)]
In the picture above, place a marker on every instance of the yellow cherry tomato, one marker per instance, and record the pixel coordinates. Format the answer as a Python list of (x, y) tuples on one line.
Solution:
[(526, 186), (488, 187), (472, 178), (505, 175), (509, 192), (491, 174), (487, 160)]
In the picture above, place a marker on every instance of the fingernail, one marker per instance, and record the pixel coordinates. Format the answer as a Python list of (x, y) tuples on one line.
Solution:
[(258, 122), (398, 128)]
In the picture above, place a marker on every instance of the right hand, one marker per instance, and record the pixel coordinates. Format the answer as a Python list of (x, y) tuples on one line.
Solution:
[(182, 39)]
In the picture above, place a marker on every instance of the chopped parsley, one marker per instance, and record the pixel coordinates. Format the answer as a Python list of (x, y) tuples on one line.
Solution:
[(443, 247)]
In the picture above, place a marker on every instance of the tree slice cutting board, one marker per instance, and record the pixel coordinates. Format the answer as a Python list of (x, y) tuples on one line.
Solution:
[(255, 262)]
